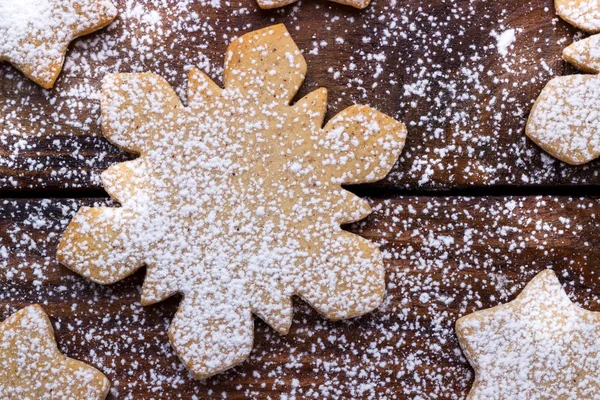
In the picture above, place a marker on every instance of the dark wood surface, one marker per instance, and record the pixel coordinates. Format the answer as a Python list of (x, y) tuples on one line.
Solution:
[(432, 64), (446, 257)]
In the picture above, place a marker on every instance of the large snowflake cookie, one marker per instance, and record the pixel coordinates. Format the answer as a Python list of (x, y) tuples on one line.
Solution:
[(280, 3), (236, 200), (565, 119), (35, 34), (31, 367), (539, 346)]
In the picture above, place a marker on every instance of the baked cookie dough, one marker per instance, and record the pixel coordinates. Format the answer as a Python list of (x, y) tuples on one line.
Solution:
[(585, 54), (236, 200), (266, 4), (584, 14), (35, 34), (31, 367), (539, 346), (565, 119)]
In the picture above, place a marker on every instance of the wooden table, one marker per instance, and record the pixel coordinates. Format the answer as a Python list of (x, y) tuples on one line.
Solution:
[(470, 213)]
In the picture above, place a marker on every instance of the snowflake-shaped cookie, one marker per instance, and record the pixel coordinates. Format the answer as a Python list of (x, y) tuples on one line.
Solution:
[(35, 34), (539, 346), (236, 200), (267, 4), (31, 367)]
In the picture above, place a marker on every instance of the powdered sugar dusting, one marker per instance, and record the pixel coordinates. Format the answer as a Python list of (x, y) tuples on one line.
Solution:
[(466, 104), (236, 201), (34, 34), (565, 120), (539, 346), (32, 368), (585, 14), (465, 254), (504, 41)]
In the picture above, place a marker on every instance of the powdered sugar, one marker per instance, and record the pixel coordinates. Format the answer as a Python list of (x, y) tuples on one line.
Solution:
[(565, 120), (504, 41), (19, 16), (34, 34), (236, 201), (584, 14), (539, 346), (32, 368)]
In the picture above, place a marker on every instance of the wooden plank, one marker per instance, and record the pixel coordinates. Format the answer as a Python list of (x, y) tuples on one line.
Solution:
[(430, 63), (445, 257)]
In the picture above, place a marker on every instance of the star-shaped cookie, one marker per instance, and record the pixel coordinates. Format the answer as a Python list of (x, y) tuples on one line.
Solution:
[(539, 346), (31, 367), (35, 34), (585, 54)]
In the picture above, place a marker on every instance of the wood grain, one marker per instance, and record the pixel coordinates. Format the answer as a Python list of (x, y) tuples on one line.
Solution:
[(446, 257), (432, 64)]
